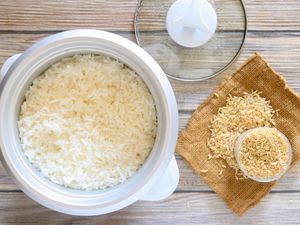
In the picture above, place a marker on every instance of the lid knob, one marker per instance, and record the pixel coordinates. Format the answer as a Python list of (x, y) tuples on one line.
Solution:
[(191, 23)]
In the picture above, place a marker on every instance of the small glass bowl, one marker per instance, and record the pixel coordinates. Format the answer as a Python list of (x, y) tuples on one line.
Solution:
[(237, 149)]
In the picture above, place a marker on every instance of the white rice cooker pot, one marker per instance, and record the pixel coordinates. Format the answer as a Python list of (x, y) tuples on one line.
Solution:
[(157, 178)]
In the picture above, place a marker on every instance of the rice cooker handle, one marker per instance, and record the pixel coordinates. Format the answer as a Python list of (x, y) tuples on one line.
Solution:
[(166, 184), (6, 65)]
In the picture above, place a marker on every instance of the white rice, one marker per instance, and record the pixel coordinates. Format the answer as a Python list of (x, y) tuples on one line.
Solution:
[(88, 122)]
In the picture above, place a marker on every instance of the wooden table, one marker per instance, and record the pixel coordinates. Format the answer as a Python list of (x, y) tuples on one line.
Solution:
[(274, 30)]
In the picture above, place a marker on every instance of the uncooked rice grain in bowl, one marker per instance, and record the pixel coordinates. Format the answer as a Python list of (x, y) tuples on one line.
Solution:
[(88, 122), (263, 154)]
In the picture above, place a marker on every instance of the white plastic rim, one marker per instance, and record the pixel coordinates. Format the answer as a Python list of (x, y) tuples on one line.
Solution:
[(7, 64), (36, 59), (237, 149)]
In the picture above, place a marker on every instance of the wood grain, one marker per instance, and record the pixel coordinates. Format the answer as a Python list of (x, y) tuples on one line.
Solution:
[(281, 50), (31, 15), (180, 208), (274, 31)]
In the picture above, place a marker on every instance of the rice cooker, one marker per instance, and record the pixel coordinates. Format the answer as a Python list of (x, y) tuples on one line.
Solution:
[(155, 180)]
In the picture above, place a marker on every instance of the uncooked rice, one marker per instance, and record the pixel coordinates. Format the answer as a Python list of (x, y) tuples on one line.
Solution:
[(88, 122), (264, 153), (240, 113)]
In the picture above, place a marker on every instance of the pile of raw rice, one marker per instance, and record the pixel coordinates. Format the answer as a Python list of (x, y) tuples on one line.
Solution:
[(240, 113), (88, 122)]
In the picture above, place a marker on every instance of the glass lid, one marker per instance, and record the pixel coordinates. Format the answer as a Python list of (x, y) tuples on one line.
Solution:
[(192, 40)]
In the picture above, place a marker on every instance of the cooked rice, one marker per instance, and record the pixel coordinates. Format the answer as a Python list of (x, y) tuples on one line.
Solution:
[(88, 122)]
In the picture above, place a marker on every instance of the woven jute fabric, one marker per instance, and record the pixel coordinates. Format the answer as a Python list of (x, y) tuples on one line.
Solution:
[(255, 74)]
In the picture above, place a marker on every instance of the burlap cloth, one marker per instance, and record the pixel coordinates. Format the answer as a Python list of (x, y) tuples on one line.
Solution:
[(255, 74)]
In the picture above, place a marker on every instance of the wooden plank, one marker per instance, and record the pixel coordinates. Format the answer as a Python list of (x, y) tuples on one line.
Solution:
[(281, 50), (275, 15), (31, 15), (189, 181), (70, 14), (6, 182), (180, 208)]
